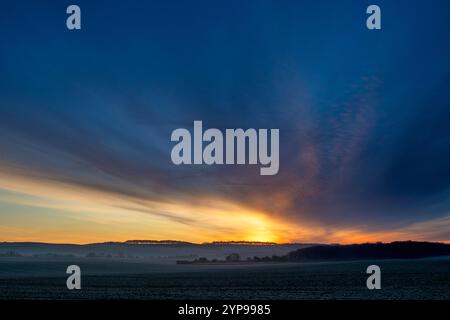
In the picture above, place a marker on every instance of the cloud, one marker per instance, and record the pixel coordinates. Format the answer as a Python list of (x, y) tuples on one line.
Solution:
[(364, 134)]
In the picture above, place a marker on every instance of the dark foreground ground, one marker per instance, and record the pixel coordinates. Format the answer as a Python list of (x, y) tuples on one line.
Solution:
[(401, 279)]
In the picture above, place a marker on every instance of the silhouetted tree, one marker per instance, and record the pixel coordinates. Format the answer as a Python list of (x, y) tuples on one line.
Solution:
[(233, 257)]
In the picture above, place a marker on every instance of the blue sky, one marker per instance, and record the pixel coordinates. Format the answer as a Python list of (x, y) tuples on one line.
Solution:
[(363, 118)]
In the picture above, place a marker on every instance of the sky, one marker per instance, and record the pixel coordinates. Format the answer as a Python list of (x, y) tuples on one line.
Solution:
[(86, 118)]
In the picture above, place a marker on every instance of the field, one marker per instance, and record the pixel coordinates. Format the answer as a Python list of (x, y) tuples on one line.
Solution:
[(401, 279)]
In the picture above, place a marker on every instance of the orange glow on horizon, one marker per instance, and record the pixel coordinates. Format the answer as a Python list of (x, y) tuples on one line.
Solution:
[(54, 212)]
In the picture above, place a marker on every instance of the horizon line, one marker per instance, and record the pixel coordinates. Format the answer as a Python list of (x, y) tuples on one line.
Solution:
[(232, 242)]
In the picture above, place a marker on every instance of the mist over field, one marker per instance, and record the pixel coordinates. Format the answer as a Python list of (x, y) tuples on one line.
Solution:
[(150, 271), (401, 279), (160, 253)]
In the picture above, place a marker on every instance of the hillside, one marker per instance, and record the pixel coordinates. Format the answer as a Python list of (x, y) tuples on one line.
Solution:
[(394, 250), (158, 251)]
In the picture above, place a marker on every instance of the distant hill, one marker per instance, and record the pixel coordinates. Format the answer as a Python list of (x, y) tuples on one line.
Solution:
[(165, 242), (171, 251), (219, 243), (245, 243), (394, 250), (151, 250)]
